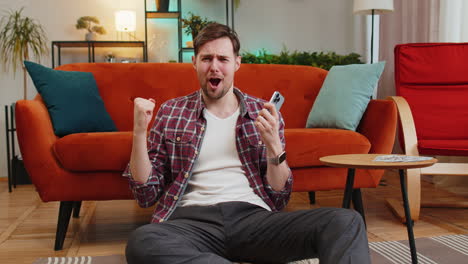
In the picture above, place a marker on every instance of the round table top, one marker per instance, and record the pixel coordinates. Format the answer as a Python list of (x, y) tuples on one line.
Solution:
[(366, 161)]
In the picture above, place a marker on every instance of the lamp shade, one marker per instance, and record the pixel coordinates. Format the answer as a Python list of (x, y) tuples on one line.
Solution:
[(365, 7), (125, 20)]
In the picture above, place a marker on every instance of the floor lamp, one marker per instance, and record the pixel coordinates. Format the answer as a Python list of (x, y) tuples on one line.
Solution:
[(372, 7)]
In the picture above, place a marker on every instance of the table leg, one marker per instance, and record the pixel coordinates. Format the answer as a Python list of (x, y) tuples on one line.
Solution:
[(358, 205), (409, 222), (348, 189)]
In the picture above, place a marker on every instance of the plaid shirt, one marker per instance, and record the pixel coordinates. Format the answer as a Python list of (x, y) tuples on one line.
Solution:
[(174, 143)]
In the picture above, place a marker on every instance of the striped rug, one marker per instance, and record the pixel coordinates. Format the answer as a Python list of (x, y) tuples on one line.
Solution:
[(451, 249)]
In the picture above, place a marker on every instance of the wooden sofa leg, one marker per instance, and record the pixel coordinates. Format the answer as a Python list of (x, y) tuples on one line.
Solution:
[(312, 197), (76, 209), (413, 184), (65, 211)]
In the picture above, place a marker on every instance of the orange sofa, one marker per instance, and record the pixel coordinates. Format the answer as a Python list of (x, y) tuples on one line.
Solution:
[(88, 166)]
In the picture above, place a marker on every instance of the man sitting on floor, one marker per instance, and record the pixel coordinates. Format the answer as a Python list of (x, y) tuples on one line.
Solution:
[(215, 167)]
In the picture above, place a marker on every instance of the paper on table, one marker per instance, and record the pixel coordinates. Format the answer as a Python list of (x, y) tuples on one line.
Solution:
[(398, 158)]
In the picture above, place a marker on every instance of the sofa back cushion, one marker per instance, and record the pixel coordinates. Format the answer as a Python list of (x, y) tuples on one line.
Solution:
[(433, 78), (120, 83)]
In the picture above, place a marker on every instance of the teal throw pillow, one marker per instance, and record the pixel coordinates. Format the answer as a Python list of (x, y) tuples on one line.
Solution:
[(72, 99), (344, 96)]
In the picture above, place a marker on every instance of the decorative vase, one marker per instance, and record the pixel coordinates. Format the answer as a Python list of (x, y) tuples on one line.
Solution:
[(162, 5), (91, 36)]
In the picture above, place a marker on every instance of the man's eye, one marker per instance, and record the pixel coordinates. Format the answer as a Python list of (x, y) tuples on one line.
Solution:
[(205, 59)]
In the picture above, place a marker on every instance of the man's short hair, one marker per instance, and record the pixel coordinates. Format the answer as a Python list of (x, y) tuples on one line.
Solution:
[(214, 31)]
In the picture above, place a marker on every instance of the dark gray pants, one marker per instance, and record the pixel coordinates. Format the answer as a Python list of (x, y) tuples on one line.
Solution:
[(238, 231)]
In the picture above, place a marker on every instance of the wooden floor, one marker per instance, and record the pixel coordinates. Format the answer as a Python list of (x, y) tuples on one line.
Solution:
[(27, 226)]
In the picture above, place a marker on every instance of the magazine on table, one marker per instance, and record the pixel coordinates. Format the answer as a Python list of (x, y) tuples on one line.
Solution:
[(400, 158)]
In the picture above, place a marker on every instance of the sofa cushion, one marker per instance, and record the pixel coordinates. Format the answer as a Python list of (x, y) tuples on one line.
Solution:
[(110, 151), (88, 152), (344, 96), (72, 99), (306, 146)]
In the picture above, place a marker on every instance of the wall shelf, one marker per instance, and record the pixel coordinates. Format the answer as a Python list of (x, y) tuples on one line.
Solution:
[(154, 14), (91, 45), (177, 15)]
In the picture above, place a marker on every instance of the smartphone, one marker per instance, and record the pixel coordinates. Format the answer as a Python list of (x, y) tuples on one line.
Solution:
[(277, 99)]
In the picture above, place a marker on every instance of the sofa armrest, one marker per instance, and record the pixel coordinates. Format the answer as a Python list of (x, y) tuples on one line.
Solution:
[(408, 136), (378, 125), (36, 138)]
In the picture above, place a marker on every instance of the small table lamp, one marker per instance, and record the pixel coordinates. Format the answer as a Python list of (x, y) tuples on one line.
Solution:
[(125, 21), (372, 7)]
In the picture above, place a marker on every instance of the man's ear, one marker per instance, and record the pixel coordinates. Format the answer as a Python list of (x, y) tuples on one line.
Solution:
[(194, 62), (238, 62)]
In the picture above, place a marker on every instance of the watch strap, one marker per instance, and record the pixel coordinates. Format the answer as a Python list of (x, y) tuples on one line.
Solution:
[(278, 159)]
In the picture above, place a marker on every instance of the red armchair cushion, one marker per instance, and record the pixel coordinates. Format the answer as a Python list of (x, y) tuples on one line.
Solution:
[(106, 151), (443, 147)]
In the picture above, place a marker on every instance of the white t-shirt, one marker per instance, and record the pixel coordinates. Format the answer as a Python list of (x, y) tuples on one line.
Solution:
[(217, 174)]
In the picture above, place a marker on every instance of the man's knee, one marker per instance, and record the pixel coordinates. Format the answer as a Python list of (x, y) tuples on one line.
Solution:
[(345, 220), (145, 241)]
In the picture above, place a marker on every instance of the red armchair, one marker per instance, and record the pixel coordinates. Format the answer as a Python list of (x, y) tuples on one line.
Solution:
[(431, 82)]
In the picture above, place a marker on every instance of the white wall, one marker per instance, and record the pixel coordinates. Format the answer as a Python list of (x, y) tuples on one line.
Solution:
[(303, 25)]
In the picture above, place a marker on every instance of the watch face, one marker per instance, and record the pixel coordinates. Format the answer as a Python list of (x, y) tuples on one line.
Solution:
[(282, 157)]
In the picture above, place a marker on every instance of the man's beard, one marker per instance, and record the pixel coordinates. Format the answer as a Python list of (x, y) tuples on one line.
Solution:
[(212, 96)]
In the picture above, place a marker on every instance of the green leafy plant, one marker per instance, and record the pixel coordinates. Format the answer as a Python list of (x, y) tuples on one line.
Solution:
[(20, 37), (86, 22), (317, 59), (194, 24)]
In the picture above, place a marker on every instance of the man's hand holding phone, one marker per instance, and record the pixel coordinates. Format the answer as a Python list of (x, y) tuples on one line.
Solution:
[(267, 124), (277, 100)]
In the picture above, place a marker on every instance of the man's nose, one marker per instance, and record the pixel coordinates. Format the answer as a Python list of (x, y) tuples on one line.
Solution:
[(214, 67)]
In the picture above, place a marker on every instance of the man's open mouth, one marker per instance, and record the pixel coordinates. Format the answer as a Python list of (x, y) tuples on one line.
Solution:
[(215, 81)]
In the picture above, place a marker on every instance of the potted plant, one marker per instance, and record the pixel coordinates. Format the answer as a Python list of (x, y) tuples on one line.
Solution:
[(20, 37), (194, 24), (86, 22)]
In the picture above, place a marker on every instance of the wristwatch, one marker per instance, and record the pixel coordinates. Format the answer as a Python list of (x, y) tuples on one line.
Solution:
[(278, 159)]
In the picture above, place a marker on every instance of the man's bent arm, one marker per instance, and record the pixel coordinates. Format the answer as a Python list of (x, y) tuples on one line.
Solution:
[(278, 178), (147, 166), (277, 175), (140, 164)]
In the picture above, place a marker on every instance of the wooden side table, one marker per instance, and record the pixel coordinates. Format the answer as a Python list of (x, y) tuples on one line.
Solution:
[(366, 161)]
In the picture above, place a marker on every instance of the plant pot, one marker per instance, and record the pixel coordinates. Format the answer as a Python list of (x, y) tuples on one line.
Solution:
[(162, 5), (91, 36), (189, 44)]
